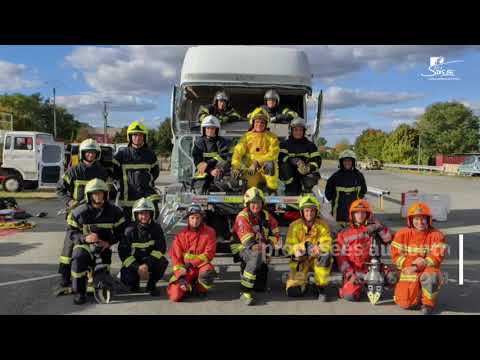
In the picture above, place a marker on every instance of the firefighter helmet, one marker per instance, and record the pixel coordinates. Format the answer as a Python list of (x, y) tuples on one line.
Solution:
[(89, 145), (360, 205), (136, 127), (210, 121), (417, 209), (143, 204), (271, 95), (252, 195), (221, 95), (95, 185), (194, 209), (259, 113), (298, 122)]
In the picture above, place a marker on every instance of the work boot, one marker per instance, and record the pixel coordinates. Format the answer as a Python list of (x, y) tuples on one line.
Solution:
[(427, 310), (79, 299), (247, 298), (64, 288), (152, 289), (322, 294)]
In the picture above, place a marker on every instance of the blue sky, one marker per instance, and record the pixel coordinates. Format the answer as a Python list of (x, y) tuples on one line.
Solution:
[(364, 86)]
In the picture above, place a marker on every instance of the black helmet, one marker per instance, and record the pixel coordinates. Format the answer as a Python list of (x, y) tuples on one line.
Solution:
[(194, 209)]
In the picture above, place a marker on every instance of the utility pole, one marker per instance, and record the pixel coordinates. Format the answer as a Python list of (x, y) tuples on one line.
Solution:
[(105, 117), (54, 116), (419, 137)]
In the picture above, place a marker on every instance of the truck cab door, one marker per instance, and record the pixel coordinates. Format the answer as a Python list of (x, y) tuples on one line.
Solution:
[(50, 167)]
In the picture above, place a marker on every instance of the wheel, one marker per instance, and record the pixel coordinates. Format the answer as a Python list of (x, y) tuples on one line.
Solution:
[(12, 184)]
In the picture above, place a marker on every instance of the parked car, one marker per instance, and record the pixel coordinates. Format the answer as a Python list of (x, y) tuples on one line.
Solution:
[(471, 166)]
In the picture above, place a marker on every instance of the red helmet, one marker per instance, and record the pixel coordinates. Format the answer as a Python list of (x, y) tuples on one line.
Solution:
[(360, 205)]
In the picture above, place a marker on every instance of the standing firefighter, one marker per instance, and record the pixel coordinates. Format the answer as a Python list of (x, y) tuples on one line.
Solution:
[(309, 244), (277, 114), (136, 168), (143, 249), (257, 232), (345, 186), (418, 252), (192, 252), (71, 190), (258, 151), (210, 155), (94, 227), (357, 245), (299, 160), (220, 108)]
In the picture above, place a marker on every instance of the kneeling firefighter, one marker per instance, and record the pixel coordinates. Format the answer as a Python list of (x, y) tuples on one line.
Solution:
[(93, 228), (418, 252), (358, 245), (257, 234), (192, 252), (143, 248), (299, 160), (309, 244)]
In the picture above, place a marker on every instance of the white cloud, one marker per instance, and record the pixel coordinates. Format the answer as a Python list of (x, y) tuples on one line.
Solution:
[(339, 98), (12, 77), (406, 113), (396, 123), (92, 103), (473, 105)]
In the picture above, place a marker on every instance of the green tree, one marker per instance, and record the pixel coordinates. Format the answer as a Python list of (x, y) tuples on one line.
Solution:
[(320, 141), (165, 144), (370, 144), (121, 137), (342, 145), (448, 127), (401, 146)]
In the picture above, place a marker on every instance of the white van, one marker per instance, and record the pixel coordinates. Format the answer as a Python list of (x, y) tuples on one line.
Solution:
[(31, 160)]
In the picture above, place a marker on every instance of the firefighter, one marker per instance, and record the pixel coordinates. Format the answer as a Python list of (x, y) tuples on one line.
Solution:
[(136, 168), (257, 151), (344, 187), (192, 252), (272, 105), (257, 234), (93, 227), (143, 249), (309, 244), (418, 251), (221, 109), (357, 246), (71, 190), (210, 155), (299, 160)]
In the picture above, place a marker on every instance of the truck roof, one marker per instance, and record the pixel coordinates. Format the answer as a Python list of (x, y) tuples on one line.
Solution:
[(235, 65), (26, 133)]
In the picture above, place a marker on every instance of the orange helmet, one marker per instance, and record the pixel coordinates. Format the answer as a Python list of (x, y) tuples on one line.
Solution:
[(360, 205), (418, 209)]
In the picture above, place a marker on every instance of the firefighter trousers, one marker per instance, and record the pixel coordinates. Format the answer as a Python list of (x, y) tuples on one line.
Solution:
[(296, 183), (83, 262), (198, 279), (259, 178), (130, 277), (254, 271), (297, 281), (65, 261), (424, 285)]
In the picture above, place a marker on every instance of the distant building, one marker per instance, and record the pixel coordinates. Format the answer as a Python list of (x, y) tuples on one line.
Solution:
[(98, 134), (326, 149)]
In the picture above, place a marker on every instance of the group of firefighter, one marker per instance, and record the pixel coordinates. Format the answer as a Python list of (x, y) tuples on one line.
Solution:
[(95, 223)]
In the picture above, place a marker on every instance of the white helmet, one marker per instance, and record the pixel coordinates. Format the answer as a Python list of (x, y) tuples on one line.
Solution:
[(210, 121), (272, 95)]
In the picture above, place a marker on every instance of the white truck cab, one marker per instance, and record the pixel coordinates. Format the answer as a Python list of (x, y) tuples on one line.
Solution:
[(245, 73), (31, 160)]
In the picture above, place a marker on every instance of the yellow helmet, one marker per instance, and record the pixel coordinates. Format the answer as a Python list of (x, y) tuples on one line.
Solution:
[(253, 194), (259, 112), (308, 201), (136, 127)]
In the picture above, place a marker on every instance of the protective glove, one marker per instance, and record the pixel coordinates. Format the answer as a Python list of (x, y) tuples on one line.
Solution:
[(269, 168), (202, 167), (188, 266), (236, 173), (253, 168), (303, 168)]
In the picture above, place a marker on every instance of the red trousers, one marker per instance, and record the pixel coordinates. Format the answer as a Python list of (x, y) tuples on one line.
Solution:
[(193, 281), (352, 291)]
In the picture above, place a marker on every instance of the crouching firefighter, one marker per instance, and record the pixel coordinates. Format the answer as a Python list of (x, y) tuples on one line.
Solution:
[(309, 244), (359, 255), (211, 156), (299, 160), (257, 235), (142, 250), (418, 252), (257, 153), (192, 251), (71, 190), (94, 227), (136, 168)]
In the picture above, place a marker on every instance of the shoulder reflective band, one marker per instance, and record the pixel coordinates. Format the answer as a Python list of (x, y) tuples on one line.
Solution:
[(119, 222), (129, 261), (143, 245), (154, 197), (72, 222), (156, 254), (76, 185)]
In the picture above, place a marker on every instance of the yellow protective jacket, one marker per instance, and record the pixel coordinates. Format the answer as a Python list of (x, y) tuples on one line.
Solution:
[(298, 235), (256, 146)]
